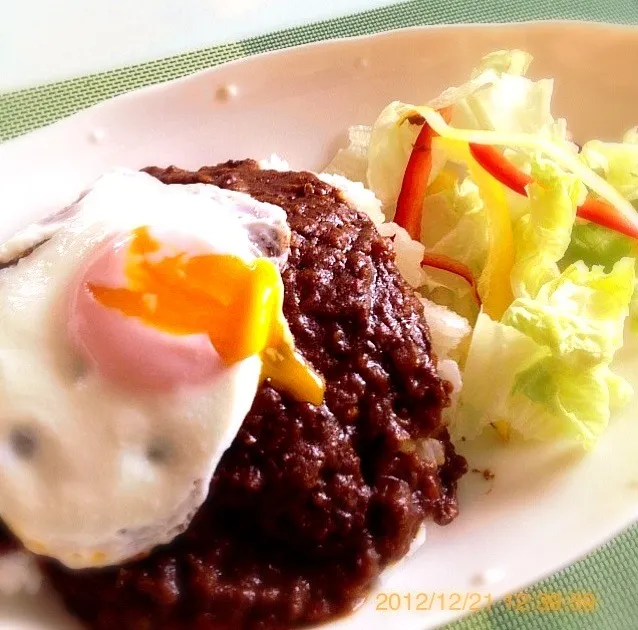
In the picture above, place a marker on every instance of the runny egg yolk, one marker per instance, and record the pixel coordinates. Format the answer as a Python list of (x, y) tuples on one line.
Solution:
[(237, 304)]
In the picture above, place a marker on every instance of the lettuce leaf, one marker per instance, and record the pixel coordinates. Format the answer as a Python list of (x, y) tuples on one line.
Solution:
[(617, 162), (580, 315), (352, 161), (496, 355), (552, 400), (499, 97), (454, 224), (544, 368), (542, 234), (596, 245)]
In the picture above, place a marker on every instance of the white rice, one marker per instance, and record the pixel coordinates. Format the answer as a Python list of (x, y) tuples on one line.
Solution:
[(357, 195), (19, 574), (274, 163), (448, 329)]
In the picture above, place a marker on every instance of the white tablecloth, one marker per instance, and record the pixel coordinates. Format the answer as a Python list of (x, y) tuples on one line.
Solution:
[(49, 40)]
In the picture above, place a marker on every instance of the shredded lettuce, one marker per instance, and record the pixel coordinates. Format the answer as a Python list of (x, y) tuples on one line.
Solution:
[(556, 290), (617, 163), (544, 368)]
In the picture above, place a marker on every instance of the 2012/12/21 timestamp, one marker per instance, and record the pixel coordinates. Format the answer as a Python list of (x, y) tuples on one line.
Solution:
[(520, 602)]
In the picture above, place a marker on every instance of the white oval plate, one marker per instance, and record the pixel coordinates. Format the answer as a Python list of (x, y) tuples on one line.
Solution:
[(546, 506)]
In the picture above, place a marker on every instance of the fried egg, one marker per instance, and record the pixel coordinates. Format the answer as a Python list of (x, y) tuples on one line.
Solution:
[(133, 340)]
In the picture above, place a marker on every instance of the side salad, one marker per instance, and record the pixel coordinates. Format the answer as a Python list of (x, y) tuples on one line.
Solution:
[(529, 237)]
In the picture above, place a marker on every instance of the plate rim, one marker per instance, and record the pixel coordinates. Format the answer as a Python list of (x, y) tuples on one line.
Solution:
[(296, 49), (354, 40)]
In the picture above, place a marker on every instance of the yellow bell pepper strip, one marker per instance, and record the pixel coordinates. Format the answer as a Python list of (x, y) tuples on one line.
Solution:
[(494, 285)]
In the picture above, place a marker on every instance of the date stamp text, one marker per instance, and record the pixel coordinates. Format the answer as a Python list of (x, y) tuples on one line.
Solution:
[(521, 602)]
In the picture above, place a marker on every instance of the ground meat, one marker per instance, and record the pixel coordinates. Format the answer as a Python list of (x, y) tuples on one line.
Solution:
[(7, 541), (309, 504)]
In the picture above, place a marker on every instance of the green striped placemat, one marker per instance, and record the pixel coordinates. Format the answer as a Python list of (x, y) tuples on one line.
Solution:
[(599, 592)]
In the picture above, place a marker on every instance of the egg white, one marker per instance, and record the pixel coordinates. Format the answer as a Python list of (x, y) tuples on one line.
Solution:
[(91, 474)]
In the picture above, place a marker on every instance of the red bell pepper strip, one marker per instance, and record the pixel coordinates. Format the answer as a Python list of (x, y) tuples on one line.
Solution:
[(500, 168), (603, 213), (594, 210), (409, 212), (415, 182), (445, 263)]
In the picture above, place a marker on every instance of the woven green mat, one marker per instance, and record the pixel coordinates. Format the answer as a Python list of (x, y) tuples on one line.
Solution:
[(599, 592)]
